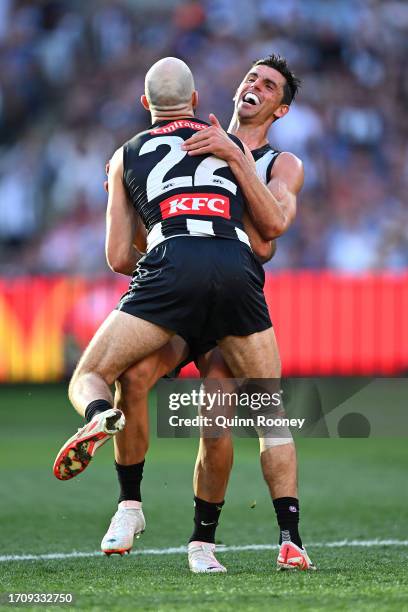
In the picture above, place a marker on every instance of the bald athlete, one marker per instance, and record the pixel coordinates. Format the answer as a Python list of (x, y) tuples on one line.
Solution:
[(169, 87)]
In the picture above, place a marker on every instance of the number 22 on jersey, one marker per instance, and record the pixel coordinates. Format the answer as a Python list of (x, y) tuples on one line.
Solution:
[(204, 175)]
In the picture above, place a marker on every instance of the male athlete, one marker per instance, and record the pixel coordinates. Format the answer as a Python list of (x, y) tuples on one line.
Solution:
[(272, 96)]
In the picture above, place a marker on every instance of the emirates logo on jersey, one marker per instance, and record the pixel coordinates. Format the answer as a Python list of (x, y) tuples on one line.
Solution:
[(169, 128), (207, 204)]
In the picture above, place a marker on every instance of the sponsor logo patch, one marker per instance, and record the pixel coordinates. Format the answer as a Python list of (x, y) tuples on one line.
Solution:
[(208, 204), (177, 125), (292, 508)]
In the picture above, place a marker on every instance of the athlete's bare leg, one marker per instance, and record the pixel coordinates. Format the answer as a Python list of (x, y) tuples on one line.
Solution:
[(257, 356), (279, 468), (131, 397), (131, 444), (120, 341), (213, 468), (254, 356), (215, 455)]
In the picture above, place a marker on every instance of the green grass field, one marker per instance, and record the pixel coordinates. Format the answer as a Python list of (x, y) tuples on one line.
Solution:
[(350, 489)]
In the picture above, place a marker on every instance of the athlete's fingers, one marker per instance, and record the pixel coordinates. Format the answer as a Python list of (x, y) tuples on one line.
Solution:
[(214, 121), (200, 151), (204, 135), (197, 145), (198, 135)]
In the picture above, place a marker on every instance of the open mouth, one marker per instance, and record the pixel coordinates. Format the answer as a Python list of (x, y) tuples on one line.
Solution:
[(251, 98)]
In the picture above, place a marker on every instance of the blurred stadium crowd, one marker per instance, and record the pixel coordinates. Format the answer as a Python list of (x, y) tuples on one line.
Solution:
[(71, 74)]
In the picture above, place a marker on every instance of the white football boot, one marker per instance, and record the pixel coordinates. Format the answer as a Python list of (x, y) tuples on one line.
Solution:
[(127, 523), (201, 558), (78, 451)]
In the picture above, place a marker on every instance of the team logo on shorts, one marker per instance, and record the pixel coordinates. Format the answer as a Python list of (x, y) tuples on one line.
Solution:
[(206, 204)]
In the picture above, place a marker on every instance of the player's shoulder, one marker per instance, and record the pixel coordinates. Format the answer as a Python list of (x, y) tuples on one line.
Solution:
[(288, 162), (130, 149), (116, 161), (289, 168), (136, 140)]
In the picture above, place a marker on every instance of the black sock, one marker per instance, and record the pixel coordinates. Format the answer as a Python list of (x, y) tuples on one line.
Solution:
[(130, 477), (206, 515), (287, 514), (96, 407)]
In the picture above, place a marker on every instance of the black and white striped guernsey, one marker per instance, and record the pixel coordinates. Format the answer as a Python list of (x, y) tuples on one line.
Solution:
[(179, 195), (264, 158)]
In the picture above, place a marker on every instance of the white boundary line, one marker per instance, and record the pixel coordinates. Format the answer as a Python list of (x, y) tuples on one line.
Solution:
[(220, 548)]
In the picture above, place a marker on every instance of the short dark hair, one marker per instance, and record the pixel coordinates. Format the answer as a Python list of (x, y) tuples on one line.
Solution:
[(280, 64)]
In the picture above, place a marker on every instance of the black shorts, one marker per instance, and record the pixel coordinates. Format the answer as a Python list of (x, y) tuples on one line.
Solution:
[(203, 289)]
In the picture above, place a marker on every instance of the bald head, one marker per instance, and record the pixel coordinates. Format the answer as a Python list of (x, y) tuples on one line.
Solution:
[(169, 84)]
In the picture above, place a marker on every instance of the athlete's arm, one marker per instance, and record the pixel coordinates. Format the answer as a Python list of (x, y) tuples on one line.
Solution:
[(140, 239), (263, 249), (272, 207), (125, 237)]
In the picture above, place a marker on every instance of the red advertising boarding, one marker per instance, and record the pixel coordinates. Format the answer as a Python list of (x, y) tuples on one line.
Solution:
[(326, 323)]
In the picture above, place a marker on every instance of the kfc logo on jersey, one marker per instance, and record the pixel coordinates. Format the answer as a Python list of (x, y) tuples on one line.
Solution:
[(207, 204), (177, 125)]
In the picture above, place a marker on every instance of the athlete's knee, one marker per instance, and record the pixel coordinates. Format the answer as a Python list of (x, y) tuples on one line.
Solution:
[(212, 365), (219, 371), (137, 381), (90, 369), (271, 436), (267, 443)]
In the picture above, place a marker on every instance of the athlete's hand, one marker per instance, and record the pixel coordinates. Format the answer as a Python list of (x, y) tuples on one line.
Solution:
[(212, 140), (105, 183)]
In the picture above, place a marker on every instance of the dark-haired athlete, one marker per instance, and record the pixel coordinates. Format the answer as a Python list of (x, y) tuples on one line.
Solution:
[(262, 97)]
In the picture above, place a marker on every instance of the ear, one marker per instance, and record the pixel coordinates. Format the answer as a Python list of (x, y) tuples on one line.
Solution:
[(281, 111), (145, 102), (194, 99)]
